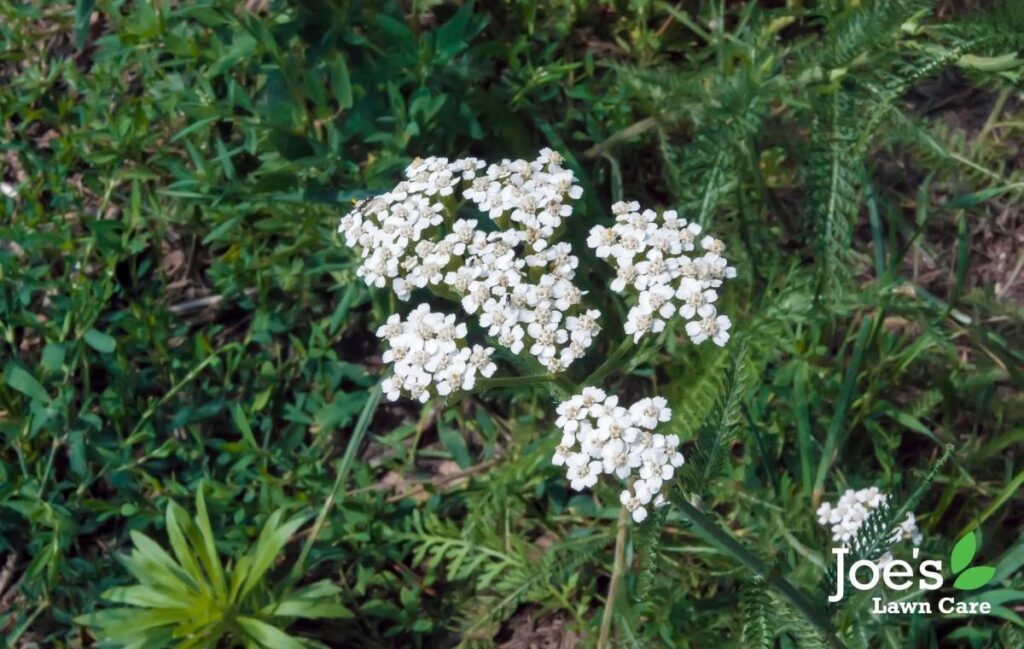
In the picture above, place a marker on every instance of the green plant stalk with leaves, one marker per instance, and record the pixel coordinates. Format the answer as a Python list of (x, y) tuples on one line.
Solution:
[(170, 179)]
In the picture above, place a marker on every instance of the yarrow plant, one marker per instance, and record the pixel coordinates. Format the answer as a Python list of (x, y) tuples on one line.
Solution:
[(515, 284), (847, 516)]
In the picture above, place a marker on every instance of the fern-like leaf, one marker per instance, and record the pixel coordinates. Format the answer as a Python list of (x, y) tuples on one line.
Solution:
[(833, 178), (858, 30), (756, 612), (716, 437), (803, 632)]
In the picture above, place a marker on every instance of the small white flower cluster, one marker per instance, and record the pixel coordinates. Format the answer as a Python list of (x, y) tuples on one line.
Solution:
[(849, 513), (530, 194), (601, 437), (427, 356), (514, 280), (395, 230), (649, 252), (516, 311)]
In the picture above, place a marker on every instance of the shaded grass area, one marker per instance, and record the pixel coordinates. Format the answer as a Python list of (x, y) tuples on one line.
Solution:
[(175, 305)]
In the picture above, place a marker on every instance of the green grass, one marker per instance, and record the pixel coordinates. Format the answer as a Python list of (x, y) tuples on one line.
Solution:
[(176, 309)]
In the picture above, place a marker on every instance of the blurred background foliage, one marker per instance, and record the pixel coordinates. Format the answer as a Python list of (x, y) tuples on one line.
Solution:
[(175, 306)]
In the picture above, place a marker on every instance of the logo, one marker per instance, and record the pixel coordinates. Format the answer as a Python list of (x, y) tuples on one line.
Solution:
[(960, 560), (899, 575)]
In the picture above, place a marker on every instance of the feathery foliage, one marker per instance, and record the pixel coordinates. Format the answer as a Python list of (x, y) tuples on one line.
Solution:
[(709, 458), (859, 31), (176, 311), (756, 617)]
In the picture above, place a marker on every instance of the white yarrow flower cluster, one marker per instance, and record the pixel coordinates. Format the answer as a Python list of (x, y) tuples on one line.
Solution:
[(655, 255), (522, 314), (532, 194), (397, 232), (515, 280), (428, 356), (601, 437), (852, 509)]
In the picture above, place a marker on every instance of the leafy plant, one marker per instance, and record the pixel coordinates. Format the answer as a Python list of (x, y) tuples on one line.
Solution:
[(192, 599), (175, 309)]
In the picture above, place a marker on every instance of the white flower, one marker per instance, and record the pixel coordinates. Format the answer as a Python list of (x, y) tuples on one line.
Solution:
[(582, 329), (648, 412), (602, 240), (427, 356), (625, 275), (601, 437), (657, 300), (825, 514), (563, 450), (480, 361), (512, 339), (695, 298), (634, 502), (546, 338), (582, 474), (907, 531), (392, 388), (650, 253), (509, 277), (478, 294), (714, 327), (846, 516), (640, 320), (617, 458)]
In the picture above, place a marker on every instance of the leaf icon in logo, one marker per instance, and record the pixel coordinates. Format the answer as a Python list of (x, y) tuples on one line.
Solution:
[(961, 557), (974, 578), (963, 552)]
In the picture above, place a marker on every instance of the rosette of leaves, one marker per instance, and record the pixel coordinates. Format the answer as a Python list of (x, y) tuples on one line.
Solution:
[(192, 599)]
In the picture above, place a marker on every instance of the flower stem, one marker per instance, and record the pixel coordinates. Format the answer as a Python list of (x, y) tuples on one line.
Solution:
[(618, 566), (514, 381), (362, 425), (777, 583), (611, 364)]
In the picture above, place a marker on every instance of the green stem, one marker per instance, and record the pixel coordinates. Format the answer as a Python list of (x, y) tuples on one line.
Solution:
[(514, 381), (611, 364), (343, 467), (835, 427), (177, 387), (563, 387), (618, 567), (54, 445), (780, 585)]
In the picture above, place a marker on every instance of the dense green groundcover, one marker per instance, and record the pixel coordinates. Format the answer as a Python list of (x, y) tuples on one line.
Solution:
[(178, 315)]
